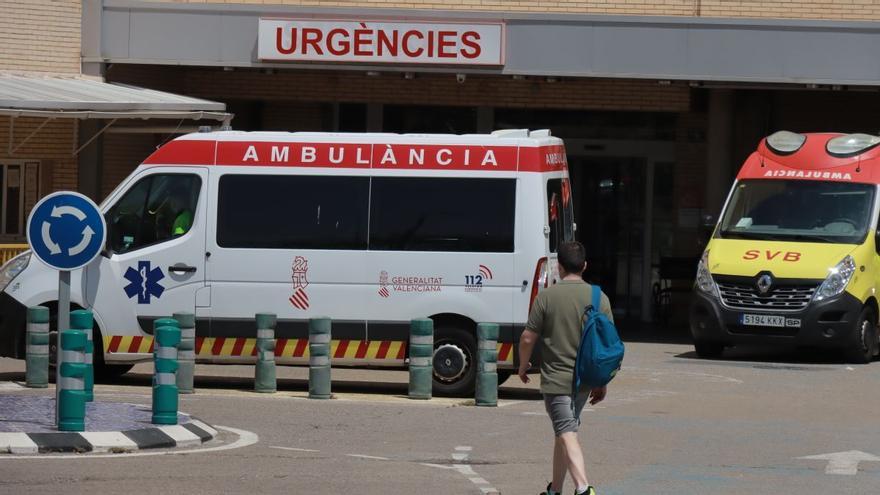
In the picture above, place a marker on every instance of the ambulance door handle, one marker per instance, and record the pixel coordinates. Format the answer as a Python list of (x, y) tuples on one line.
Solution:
[(181, 268)]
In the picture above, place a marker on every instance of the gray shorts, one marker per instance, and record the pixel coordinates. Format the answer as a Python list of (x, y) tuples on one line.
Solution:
[(559, 409)]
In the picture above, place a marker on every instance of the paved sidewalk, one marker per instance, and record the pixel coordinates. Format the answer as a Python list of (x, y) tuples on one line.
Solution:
[(27, 426)]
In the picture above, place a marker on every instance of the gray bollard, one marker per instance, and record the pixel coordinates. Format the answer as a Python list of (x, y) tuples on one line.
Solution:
[(186, 352), (37, 360), (487, 363), (264, 371), (319, 358), (82, 319), (421, 352)]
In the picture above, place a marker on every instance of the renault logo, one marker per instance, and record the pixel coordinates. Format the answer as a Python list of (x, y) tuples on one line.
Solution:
[(764, 283)]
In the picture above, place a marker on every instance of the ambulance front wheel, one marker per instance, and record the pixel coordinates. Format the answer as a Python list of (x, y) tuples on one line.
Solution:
[(864, 345), (708, 350), (454, 362), (102, 369)]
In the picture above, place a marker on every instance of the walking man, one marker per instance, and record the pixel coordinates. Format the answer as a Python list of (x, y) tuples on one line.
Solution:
[(556, 319)]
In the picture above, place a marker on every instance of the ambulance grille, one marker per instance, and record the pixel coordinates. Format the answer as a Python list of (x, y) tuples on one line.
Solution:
[(780, 298)]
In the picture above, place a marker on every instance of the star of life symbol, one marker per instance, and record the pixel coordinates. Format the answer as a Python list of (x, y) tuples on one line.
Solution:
[(383, 284), (144, 282), (299, 298)]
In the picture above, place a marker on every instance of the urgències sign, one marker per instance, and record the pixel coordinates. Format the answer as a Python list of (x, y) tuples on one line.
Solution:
[(381, 42)]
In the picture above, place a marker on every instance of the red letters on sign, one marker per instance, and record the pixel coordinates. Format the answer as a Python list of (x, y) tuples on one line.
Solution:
[(753, 254)]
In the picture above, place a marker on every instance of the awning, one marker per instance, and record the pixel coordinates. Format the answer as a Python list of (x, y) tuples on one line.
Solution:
[(79, 97), (83, 98)]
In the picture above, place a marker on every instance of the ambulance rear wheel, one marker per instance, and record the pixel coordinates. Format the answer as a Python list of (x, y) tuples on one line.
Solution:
[(708, 350), (864, 345), (454, 362)]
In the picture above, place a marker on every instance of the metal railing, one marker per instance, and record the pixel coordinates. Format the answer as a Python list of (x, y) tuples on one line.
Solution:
[(9, 251)]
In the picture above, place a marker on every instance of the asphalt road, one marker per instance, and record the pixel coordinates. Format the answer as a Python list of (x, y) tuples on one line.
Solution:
[(672, 424)]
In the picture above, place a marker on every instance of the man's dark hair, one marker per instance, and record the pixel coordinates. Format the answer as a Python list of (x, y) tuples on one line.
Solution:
[(571, 256)]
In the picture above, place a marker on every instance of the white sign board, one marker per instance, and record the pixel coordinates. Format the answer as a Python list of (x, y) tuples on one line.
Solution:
[(324, 40)]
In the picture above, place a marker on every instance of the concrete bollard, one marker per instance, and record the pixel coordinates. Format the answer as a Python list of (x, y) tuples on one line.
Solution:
[(82, 319), (319, 358), (421, 352), (487, 362), (186, 352), (37, 360), (264, 371), (71, 396), (164, 379)]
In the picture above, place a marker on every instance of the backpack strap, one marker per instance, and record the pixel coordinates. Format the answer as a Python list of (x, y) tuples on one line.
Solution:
[(597, 297)]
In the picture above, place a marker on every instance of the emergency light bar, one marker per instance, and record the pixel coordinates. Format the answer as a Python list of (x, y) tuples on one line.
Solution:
[(785, 142), (851, 144)]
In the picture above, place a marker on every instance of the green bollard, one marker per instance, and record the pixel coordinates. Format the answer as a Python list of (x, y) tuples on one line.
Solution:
[(164, 379), (487, 363), (264, 371), (37, 360), (71, 396), (186, 352), (421, 352), (82, 319), (319, 358)]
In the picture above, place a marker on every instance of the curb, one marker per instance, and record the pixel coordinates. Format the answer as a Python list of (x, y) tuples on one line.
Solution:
[(190, 434)]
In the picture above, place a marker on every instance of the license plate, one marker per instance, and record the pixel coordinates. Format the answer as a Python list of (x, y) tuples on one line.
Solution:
[(769, 321)]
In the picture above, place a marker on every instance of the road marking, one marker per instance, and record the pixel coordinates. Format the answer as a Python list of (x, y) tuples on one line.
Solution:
[(468, 472), (293, 449), (245, 439), (845, 463), (361, 456), (11, 386)]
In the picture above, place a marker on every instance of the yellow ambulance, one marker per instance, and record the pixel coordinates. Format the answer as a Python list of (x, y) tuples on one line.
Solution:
[(794, 257)]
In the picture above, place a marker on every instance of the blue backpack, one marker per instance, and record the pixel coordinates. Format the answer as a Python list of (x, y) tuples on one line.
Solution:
[(600, 352)]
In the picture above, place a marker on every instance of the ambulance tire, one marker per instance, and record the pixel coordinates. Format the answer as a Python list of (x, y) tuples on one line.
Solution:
[(503, 376), (708, 350), (102, 370), (455, 354), (864, 345)]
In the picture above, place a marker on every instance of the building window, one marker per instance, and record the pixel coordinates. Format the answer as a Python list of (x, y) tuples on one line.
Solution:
[(15, 177)]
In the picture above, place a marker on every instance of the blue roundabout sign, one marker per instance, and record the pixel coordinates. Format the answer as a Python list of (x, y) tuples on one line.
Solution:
[(66, 230)]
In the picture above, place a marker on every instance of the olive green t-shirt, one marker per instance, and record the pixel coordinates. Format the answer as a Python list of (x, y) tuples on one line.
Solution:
[(557, 318)]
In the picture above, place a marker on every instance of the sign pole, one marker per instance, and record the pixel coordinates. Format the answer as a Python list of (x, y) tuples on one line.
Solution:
[(63, 324)]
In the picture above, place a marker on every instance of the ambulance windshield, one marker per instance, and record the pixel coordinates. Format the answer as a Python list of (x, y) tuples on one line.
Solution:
[(799, 210)]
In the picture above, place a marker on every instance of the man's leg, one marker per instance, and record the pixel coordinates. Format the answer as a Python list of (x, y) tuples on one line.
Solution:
[(574, 457), (560, 465)]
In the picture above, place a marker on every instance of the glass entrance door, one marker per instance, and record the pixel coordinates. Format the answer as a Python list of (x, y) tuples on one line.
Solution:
[(610, 196)]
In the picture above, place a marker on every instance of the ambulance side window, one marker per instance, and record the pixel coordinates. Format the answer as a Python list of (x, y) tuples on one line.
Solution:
[(157, 208), (447, 215), (559, 212), (292, 212)]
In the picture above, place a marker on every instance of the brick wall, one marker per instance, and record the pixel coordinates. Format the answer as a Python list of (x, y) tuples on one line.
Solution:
[(122, 154), (858, 10), (425, 89), (52, 147), (40, 35)]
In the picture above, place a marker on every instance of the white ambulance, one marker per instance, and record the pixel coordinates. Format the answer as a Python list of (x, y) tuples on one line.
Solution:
[(371, 230)]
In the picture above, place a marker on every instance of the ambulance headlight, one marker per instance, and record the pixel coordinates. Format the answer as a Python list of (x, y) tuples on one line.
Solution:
[(12, 268), (785, 142), (837, 280), (851, 144), (704, 279)]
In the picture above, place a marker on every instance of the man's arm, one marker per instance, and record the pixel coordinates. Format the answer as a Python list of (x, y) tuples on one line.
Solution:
[(526, 345)]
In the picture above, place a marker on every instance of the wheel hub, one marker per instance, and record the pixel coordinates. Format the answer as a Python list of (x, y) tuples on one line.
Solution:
[(450, 362)]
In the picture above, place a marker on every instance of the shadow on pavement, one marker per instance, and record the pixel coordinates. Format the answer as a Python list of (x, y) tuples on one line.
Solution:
[(772, 357)]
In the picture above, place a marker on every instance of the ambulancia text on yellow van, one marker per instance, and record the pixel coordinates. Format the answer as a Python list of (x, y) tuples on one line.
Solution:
[(794, 257)]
